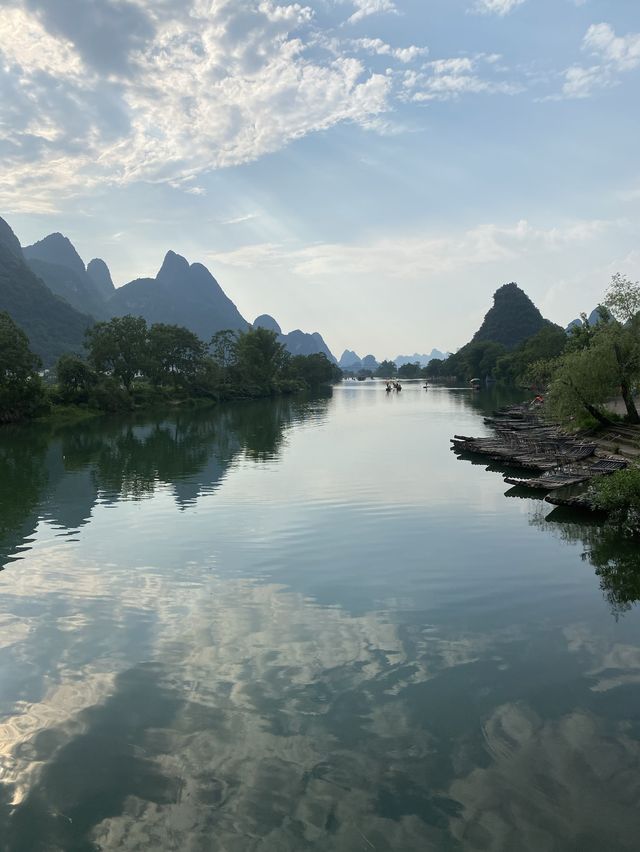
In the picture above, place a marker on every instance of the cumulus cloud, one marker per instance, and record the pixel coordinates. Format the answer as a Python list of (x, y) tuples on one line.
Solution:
[(187, 88), (614, 55)]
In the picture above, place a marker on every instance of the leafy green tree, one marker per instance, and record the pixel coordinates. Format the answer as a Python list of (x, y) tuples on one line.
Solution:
[(386, 370), (583, 382), (75, 377), (224, 350), (174, 355), (436, 368), (623, 298), (314, 370), (259, 358), (513, 368), (119, 348), (21, 392), (410, 371)]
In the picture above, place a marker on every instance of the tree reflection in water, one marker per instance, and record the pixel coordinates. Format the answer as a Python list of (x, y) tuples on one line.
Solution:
[(616, 559)]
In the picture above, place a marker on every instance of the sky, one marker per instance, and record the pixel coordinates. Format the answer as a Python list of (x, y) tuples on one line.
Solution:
[(370, 169)]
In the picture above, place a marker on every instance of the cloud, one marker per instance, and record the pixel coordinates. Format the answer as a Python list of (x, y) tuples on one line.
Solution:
[(615, 54), (449, 79), (381, 48), (364, 8), (416, 256), (496, 7), (190, 88)]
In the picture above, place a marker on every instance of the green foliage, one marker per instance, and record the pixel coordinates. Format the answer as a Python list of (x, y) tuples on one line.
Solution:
[(619, 495), (386, 370), (259, 359), (21, 391), (410, 371), (174, 355), (475, 360), (76, 379), (512, 319), (313, 370), (436, 368), (514, 367), (119, 348), (623, 298)]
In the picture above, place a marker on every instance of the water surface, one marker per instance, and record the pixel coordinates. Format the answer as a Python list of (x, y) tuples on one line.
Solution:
[(305, 625)]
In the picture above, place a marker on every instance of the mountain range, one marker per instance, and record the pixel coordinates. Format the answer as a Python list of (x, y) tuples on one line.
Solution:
[(511, 320), (47, 289)]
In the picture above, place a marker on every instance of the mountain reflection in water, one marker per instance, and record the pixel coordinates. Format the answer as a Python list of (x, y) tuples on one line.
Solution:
[(305, 625)]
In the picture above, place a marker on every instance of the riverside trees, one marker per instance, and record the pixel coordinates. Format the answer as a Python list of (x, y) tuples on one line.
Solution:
[(21, 391), (129, 362), (601, 362)]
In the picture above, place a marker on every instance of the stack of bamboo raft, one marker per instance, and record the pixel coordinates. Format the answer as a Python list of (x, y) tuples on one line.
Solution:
[(522, 439)]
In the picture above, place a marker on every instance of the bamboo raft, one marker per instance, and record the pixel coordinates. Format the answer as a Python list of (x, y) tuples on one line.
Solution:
[(522, 439)]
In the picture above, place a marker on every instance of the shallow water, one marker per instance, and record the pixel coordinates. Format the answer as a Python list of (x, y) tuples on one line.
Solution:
[(305, 625)]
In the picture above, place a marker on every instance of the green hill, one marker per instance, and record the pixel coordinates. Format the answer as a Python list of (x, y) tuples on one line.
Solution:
[(52, 325), (512, 319)]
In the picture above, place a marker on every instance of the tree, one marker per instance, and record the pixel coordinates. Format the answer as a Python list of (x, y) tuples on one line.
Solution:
[(21, 392), (435, 368), (75, 378), (223, 350), (410, 371), (623, 298), (174, 354), (584, 381), (119, 348), (386, 370), (260, 357), (314, 370)]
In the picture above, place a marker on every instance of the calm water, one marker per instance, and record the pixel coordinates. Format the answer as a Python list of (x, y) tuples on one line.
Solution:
[(307, 626)]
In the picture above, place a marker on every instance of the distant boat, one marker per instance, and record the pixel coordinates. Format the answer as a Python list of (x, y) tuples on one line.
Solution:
[(475, 384)]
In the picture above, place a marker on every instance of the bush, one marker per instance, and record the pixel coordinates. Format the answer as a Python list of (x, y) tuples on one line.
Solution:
[(619, 495)]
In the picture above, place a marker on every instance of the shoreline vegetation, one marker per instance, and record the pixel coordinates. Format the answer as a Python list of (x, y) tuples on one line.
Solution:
[(130, 366)]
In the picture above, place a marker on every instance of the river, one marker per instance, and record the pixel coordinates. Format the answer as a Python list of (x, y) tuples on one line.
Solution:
[(306, 625)]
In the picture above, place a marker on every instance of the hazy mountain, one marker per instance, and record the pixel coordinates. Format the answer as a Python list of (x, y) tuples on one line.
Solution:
[(423, 359), (350, 361), (99, 273), (268, 322), (180, 293), (297, 342), (52, 325), (593, 319), (56, 261), (512, 319), (369, 362)]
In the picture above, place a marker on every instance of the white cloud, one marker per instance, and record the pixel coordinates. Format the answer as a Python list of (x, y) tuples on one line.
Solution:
[(381, 48), (416, 256), (620, 52), (615, 54), (364, 8), (219, 86), (496, 7), (448, 79)]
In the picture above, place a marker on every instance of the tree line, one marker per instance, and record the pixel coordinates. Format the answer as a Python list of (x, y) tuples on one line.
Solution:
[(131, 364)]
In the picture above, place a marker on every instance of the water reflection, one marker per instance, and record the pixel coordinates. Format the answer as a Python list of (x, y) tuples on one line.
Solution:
[(302, 626), (60, 475), (616, 559)]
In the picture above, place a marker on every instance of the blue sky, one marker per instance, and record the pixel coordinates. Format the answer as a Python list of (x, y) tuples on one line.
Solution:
[(372, 169)]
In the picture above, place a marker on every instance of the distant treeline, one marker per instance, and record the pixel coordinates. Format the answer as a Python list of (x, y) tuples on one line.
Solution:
[(129, 365)]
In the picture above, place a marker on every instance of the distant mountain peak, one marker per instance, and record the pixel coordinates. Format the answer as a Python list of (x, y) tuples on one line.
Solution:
[(174, 267), (56, 248), (512, 319), (99, 273), (267, 321), (9, 240)]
